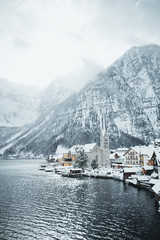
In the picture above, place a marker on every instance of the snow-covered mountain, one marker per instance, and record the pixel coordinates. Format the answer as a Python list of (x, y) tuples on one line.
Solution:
[(18, 104), (21, 106), (127, 93)]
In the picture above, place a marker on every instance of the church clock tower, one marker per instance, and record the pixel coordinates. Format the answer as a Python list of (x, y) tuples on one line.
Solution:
[(105, 161)]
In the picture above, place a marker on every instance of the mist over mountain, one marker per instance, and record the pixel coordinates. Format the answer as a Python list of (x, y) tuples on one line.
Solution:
[(18, 104), (127, 92)]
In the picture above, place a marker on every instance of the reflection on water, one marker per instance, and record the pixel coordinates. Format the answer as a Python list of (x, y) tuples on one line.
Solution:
[(39, 205)]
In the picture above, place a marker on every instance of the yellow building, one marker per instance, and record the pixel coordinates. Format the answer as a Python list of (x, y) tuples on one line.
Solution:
[(67, 159)]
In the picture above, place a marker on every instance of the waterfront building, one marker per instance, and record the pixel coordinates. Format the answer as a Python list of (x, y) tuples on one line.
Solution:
[(92, 150), (117, 159), (67, 159), (132, 156)]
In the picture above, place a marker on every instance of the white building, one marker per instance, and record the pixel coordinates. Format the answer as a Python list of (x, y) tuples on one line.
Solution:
[(104, 161), (94, 152)]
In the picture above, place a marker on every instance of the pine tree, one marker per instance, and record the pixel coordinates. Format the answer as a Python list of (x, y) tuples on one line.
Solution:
[(94, 163), (82, 160)]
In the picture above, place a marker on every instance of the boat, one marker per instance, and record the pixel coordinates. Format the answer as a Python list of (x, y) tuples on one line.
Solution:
[(73, 173), (62, 169), (42, 166), (49, 168)]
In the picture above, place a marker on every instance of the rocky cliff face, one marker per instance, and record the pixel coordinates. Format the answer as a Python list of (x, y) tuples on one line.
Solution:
[(128, 92), (141, 69)]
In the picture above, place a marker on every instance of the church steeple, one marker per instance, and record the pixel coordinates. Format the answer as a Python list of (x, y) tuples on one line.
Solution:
[(104, 142)]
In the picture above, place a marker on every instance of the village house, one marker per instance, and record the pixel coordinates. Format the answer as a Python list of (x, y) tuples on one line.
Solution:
[(67, 159), (132, 157), (117, 158), (147, 157)]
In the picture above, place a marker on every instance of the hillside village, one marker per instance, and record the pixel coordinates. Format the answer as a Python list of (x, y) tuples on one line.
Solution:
[(146, 157), (139, 166)]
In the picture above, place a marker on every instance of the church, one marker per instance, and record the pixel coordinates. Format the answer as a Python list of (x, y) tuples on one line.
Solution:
[(94, 152), (104, 160)]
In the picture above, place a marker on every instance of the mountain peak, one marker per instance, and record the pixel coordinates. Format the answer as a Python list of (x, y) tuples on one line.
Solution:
[(128, 91), (144, 49)]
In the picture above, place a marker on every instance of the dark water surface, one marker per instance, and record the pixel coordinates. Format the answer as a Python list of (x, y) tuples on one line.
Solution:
[(39, 205)]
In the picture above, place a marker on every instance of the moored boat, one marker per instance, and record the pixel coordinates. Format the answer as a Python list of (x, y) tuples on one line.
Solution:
[(42, 166), (73, 173), (49, 168), (62, 169)]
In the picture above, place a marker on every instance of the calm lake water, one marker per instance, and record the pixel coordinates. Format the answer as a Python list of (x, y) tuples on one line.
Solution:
[(39, 205)]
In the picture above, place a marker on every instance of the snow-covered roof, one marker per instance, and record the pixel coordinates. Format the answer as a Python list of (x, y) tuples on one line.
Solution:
[(154, 175), (120, 154), (88, 147), (148, 167), (147, 150), (143, 178), (154, 181), (133, 169), (76, 148), (136, 149), (111, 156), (156, 188)]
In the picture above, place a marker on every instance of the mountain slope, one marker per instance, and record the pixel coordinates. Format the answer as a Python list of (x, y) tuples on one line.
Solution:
[(18, 104), (127, 92)]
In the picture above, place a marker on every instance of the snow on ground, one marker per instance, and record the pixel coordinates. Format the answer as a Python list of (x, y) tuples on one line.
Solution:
[(156, 188)]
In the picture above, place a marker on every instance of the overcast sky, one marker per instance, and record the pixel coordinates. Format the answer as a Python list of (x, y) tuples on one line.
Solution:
[(43, 39)]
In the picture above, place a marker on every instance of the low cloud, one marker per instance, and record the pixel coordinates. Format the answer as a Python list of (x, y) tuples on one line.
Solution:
[(21, 43)]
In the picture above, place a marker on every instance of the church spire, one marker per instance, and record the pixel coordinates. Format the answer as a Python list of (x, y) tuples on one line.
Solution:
[(104, 140), (104, 136)]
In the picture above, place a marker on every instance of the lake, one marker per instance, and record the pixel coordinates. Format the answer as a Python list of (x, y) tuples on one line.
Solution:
[(43, 205)]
